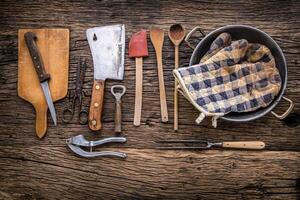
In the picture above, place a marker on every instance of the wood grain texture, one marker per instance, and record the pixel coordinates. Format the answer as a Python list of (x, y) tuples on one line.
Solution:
[(46, 169)]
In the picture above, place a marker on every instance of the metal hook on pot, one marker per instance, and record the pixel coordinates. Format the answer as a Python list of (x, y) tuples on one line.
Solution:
[(191, 33)]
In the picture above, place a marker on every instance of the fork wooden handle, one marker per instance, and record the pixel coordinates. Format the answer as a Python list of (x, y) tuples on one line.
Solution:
[(244, 145)]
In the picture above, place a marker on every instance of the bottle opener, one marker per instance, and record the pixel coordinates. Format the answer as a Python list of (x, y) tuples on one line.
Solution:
[(118, 107)]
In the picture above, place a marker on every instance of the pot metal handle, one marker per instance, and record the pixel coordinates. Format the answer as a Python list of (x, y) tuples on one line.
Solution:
[(189, 35), (287, 112)]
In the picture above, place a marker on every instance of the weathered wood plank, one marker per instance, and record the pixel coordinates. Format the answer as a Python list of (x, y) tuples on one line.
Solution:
[(51, 172)]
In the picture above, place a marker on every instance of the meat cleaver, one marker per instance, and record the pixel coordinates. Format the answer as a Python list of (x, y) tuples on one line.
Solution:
[(107, 45)]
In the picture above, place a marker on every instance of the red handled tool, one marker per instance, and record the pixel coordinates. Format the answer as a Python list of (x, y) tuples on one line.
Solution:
[(138, 48)]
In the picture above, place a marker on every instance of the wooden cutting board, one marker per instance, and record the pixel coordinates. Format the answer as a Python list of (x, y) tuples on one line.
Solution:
[(54, 48)]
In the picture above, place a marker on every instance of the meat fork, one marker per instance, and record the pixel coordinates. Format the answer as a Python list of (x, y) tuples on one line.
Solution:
[(202, 145)]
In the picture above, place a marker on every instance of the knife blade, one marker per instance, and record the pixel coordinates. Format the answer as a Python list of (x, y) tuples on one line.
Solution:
[(107, 46), (43, 76)]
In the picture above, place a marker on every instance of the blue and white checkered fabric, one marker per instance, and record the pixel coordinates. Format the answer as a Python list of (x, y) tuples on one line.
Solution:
[(233, 76)]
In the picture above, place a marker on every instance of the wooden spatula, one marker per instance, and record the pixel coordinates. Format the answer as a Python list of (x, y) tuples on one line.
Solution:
[(157, 39), (138, 48)]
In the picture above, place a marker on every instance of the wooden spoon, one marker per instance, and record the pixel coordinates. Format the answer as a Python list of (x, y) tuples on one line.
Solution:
[(176, 35), (157, 39)]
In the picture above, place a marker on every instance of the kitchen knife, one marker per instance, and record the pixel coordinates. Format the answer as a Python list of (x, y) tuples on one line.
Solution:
[(43, 76), (107, 45)]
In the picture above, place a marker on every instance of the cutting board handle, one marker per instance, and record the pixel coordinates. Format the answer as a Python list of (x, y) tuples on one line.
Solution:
[(96, 105), (41, 120)]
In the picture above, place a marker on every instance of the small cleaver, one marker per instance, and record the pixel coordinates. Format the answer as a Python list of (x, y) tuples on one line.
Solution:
[(107, 45)]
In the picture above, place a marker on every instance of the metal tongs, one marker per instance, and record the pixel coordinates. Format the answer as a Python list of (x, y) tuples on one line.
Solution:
[(202, 145), (75, 143)]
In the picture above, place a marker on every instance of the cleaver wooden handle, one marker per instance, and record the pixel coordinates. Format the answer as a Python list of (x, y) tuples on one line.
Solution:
[(96, 105)]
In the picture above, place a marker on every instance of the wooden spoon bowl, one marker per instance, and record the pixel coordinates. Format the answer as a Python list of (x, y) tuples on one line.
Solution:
[(157, 38), (176, 34)]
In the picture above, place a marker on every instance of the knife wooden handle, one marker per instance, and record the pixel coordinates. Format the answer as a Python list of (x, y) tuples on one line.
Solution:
[(118, 117), (162, 91), (244, 145), (138, 91), (96, 105), (36, 57)]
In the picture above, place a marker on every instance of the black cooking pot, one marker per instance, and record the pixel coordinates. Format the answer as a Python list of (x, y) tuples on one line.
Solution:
[(253, 35)]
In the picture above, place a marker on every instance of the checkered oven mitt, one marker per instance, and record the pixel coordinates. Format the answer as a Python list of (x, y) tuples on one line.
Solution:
[(233, 76)]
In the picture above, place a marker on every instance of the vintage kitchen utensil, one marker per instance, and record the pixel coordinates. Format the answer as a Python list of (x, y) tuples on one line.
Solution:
[(38, 63), (202, 145), (75, 143), (157, 39), (77, 98), (118, 107), (253, 35), (53, 45), (176, 35), (107, 45), (138, 48)]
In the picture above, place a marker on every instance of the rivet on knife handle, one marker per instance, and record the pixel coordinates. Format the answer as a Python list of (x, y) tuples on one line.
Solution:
[(37, 60), (96, 105)]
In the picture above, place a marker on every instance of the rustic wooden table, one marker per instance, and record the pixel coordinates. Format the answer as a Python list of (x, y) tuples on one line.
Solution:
[(46, 169)]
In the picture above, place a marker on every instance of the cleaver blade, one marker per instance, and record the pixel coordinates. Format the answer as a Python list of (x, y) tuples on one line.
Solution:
[(107, 46)]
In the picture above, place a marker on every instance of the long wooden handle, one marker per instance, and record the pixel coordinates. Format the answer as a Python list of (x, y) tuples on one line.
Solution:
[(244, 145), (162, 91), (176, 90), (41, 120), (96, 105), (138, 91), (118, 117)]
